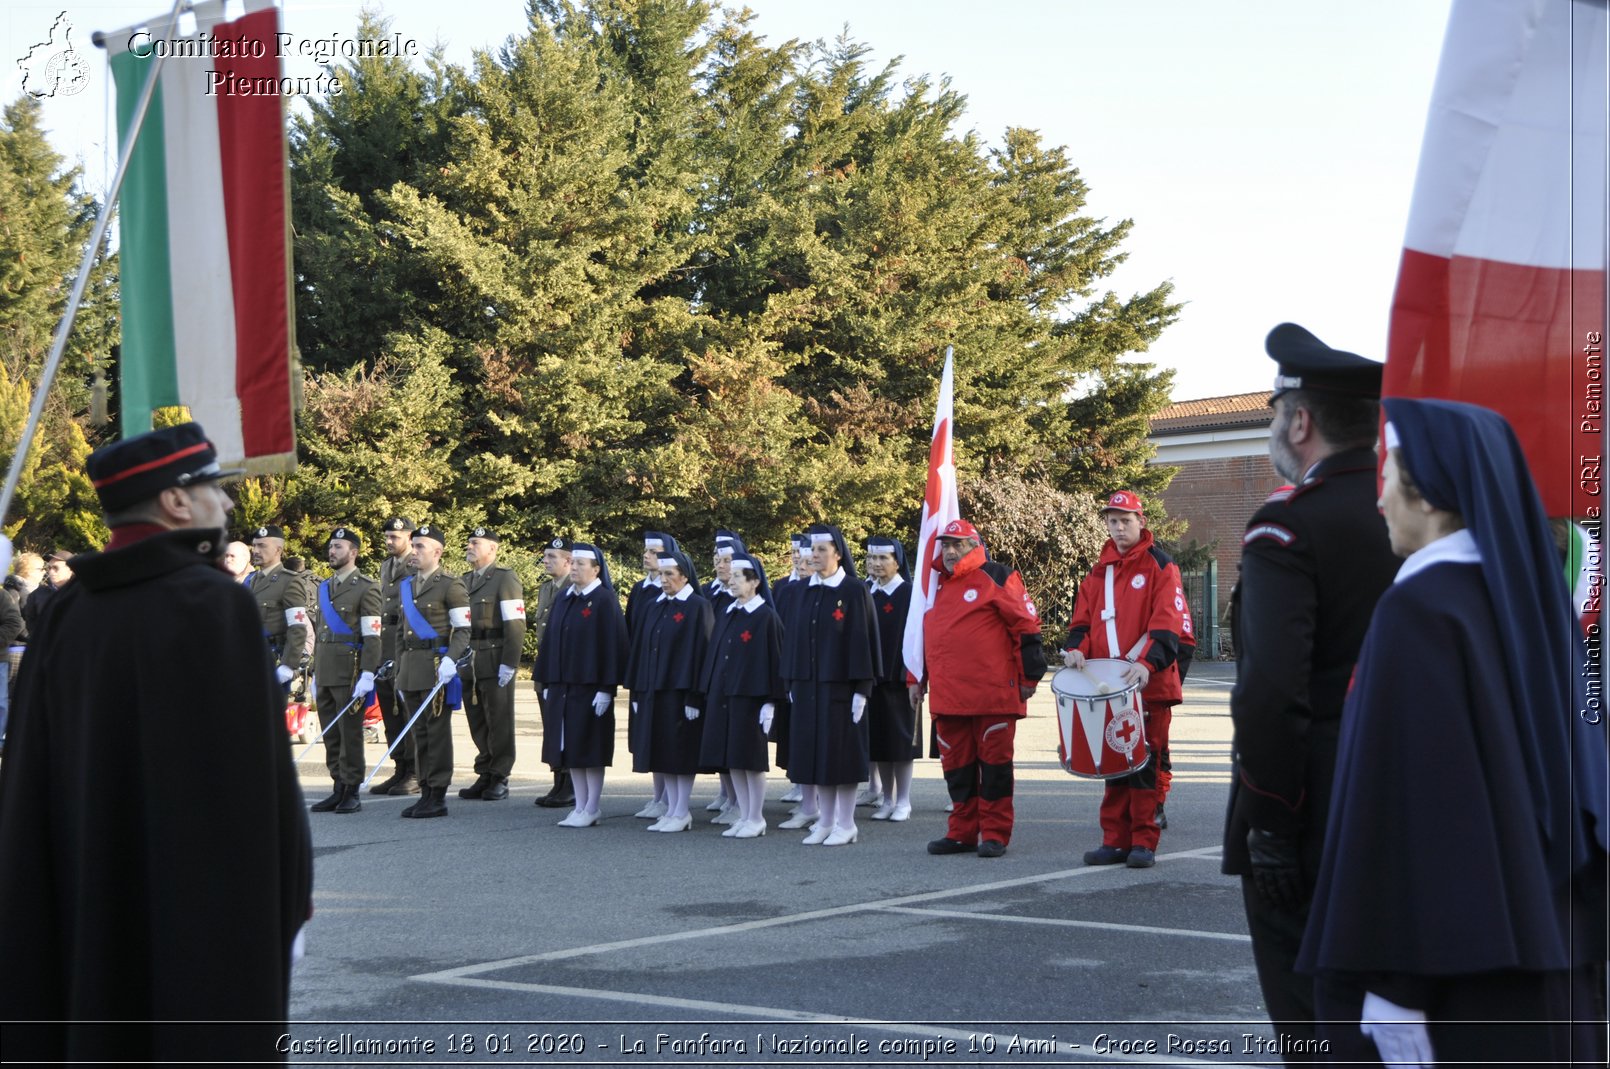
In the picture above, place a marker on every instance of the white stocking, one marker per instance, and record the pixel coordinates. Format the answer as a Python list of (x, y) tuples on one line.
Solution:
[(809, 803), (595, 789), (902, 782), (883, 778), (678, 789), (659, 786), (726, 787), (843, 814), (757, 794)]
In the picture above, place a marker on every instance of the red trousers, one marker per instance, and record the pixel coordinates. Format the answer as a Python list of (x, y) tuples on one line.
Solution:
[(1129, 806), (976, 754)]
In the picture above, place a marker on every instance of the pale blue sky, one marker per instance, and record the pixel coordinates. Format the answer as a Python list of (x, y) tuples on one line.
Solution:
[(1264, 149)]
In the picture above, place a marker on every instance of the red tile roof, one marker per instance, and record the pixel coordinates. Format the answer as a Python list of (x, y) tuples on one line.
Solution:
[(1236, 410)]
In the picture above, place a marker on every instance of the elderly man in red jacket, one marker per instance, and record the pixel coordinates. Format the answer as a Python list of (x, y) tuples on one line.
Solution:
[(1131, 607), (981, 645)]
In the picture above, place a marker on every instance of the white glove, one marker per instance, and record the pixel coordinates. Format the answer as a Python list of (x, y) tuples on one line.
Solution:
[(1399, 1033), (364, 685), (857, 707), (690, 712), (505, 675), (544, 693), (634, 707), (1073, 658), (767, 711), (601, 703), (446, 671), (283, 674), (1138, 673)]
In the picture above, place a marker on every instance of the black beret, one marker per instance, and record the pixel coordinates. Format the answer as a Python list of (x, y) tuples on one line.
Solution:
[(268, 531), (1306, 363), (347, 534), (425, 530), (560, 543), (486, 533), (136, 469), (399, 523)]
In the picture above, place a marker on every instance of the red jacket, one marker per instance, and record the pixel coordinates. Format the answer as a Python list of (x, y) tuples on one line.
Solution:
[(1150, 601), (981, 641)]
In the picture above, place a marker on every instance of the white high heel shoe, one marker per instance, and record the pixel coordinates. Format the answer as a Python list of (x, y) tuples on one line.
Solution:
[(754, 829), (842, 837), (818, 835), (670, 824)]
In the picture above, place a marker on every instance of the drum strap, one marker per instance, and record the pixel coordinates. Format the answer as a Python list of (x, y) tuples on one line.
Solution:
[(1109, 616)]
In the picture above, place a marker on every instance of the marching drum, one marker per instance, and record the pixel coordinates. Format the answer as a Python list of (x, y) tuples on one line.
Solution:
[(1102, 731)]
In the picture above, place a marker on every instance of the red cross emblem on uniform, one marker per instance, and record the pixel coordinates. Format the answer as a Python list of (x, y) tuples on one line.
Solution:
[(838, 614), (586, 611), (746, 636), (677, 617), (888, 606)]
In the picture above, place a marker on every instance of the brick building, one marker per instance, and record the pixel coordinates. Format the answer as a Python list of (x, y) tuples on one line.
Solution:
[(1221, 447)]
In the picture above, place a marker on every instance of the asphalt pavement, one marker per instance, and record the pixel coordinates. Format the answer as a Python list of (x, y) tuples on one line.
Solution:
[(494, 937)]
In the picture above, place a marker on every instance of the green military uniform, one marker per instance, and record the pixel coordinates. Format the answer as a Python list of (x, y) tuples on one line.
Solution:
[(440, 600), (392, 572), (497, 635), (282, 598), (348, 646)]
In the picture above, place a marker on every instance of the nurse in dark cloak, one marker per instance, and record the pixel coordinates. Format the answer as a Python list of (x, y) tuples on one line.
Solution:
[(639, 605), (580, 664), (720, 594), (740, 687), (663, 673), (1448, 940), (830, 662), (894, 736), (782, 595)]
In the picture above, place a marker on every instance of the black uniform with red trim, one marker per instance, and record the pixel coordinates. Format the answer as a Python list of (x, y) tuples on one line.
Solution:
[(1314, 561)]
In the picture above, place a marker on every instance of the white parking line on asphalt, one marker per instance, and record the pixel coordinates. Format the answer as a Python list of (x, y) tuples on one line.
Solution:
[(1144, 929), (464, 971), (763, 1015)]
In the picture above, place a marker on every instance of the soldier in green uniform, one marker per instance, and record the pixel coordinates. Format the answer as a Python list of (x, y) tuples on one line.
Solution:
[(556, 562), (433, 634), (344, 663), (397, 566), (282, 598), (497, 634)]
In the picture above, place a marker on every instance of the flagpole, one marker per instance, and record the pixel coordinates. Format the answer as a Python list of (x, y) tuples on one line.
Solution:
[(58, 346)]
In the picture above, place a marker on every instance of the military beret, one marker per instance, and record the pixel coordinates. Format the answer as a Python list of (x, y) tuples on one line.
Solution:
[(268, 531), (425, 530), (486, 533), (1306, 363), (560, 543), (136, 469), (347, 534), (399, 523)]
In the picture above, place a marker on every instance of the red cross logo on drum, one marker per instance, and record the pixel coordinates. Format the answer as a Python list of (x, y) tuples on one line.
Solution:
[(1124, 732), (746, 636)]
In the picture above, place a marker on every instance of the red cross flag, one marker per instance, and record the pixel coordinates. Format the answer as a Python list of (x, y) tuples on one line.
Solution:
[(939, 507)]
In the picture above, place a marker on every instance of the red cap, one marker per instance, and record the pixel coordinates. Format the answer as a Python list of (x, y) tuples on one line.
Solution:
[(960, 529), (1124, 501)]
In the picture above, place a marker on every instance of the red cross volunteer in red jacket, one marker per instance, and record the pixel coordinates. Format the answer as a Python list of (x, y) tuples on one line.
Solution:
[(1131, 607), (981, 645)]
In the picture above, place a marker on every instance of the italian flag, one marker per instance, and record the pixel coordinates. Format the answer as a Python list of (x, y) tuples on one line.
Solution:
[(1500, 296), (204, 245)]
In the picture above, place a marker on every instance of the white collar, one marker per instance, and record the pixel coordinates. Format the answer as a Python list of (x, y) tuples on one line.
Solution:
[(682, 595), (838, 577), (890, 587), (717, 586), (749, 606), (1457, 548), (581, 592), (651, 580)]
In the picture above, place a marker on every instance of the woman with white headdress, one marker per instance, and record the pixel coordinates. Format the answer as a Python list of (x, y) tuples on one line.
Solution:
[(580, 664), (740, 687), (894, 736)]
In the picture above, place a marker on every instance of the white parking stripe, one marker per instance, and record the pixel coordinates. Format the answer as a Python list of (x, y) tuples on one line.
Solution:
[(1145, 929), (792, 918)]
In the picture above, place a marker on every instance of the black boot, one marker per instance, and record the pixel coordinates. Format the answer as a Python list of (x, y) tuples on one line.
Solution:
[(474, 790), (385, 785), (349, 799), (563, 794), (324, 805), (497, 789), (432, 803), (407, 783)]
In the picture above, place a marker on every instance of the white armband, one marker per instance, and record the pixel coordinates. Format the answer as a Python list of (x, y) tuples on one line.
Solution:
[(368, 625), (296, 617), (458, 617), (513, 610)]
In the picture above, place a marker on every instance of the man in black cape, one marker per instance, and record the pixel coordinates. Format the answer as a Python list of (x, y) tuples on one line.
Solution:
[(130, 894)]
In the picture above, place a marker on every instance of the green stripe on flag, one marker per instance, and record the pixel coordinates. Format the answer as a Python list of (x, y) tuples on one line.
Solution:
[(148, 375)]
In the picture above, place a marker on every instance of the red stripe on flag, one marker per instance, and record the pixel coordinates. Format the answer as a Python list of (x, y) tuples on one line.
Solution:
[(251, 136), (1512, 338)]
